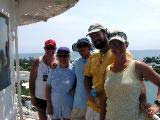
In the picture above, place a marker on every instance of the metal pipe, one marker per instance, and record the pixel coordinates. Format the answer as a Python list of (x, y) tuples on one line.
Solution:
[(18, 76)]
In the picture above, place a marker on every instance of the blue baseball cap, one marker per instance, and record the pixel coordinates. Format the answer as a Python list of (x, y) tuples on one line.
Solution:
[(81, 42), (63, 50)]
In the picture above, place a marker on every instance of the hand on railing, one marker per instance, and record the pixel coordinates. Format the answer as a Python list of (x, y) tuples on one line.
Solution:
[(150, 110), (155, 117), (49, 117)]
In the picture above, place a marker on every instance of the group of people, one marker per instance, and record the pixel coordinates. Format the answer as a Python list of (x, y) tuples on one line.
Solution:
[(104, 84)]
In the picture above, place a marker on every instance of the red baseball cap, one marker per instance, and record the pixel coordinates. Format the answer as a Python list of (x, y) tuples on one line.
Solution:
[(50, 42)]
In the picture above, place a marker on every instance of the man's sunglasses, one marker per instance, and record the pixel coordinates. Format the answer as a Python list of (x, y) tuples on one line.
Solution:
[(62, 56), (50, 48), (81, 45)]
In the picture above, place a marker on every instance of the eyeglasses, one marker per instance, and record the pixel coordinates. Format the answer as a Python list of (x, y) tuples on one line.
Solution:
[(50, 48), (62, 56), (81, 45)]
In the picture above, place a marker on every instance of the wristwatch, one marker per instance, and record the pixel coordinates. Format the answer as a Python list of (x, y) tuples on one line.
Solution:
[(94, 92), (157, 102)]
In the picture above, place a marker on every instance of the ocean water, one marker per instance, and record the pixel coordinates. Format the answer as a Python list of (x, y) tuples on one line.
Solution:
[(137, 54), (140, 54)]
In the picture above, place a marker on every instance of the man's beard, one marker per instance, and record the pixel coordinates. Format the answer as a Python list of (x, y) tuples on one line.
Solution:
[(100, 44)]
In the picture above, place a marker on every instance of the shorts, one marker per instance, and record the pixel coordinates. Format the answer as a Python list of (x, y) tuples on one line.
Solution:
[(40, 103), (78, 114)]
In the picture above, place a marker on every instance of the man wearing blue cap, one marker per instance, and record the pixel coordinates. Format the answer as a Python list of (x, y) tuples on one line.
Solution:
[(83, 46)]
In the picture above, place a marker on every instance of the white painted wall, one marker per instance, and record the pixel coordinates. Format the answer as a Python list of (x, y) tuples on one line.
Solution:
[(7, 97)]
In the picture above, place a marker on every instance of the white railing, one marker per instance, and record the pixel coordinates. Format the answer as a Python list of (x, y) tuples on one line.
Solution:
[(155, 117)]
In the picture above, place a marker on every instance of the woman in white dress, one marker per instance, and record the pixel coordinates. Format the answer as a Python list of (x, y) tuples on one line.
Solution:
[(123, 84)]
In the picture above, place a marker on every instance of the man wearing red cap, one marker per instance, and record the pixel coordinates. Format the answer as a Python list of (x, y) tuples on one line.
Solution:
[(38, 77)]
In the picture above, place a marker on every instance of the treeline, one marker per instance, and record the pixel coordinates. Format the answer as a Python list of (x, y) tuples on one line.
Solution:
[(154, 62), (25, 64)]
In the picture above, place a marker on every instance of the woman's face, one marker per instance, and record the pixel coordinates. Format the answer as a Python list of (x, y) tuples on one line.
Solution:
[(117, 47), (63, 58)]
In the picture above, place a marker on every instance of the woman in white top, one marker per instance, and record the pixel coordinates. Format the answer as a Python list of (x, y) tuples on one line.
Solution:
[(123, 84)]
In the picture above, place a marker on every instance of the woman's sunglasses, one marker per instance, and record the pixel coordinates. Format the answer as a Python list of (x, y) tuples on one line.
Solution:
[(62, 56)]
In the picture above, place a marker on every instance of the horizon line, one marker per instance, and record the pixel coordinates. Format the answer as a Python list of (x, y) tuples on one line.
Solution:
[(73, 51)]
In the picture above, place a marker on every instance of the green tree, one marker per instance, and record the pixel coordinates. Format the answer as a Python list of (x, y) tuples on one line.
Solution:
[(25, 64), (155, 61)]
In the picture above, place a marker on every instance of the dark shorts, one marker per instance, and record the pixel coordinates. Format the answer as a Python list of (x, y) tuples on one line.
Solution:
[(41, 103)]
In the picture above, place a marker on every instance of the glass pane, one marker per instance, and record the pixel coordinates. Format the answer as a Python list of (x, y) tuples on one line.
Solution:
[(4, 53)]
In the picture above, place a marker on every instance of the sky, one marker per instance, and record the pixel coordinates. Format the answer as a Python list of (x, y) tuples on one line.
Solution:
[(139, 19)]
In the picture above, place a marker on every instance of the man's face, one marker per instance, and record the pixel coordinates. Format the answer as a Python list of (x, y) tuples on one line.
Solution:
[(99, 39), (50, 50), (84, 50)]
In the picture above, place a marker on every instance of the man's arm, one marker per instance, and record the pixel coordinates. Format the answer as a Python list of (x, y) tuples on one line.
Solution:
[(48, 98), (32, 78), (88, 84)]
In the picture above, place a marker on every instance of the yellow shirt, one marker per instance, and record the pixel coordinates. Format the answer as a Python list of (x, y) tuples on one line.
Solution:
[(96, 68)]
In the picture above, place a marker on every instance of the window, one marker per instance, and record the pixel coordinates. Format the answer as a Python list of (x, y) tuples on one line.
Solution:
[(4, 53)]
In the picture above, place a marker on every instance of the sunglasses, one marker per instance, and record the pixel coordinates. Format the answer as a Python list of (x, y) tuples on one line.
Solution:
[(50, 48), (62, 56), (81, 45)]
